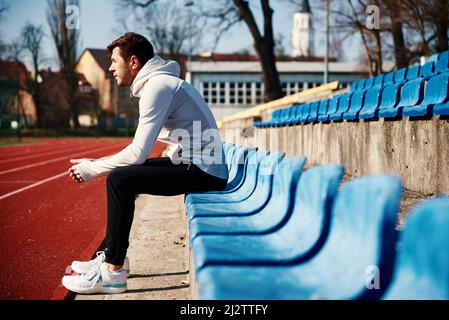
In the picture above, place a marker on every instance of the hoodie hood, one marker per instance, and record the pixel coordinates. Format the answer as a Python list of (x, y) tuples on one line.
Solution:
[(155, 66)]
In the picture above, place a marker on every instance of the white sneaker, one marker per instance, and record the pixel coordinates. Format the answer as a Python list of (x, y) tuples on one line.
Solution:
[(83, 267), (98, 280)]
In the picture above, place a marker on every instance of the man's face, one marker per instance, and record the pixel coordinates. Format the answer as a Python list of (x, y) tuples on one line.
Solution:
[(123, 71)]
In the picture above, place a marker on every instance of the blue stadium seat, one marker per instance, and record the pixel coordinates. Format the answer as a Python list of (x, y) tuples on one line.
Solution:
[(255, 201), (274, 117), (427, 70), (302, 117), (389, 101), (245, 187), (333, 106), (270, 217), (283, 116), (413, 72), (293, 114), (389, 79), (361, 84), (379, 81), (361, 241), (298, 240), (228, 150), (371, 105), (302, 109), (343, 106), (436, 93), (236, 175), (313, 112), (422, 265), (353, 85), (355, 106), (442, 65), (369, 83), (322, 110), (411, 95), (400, 75)]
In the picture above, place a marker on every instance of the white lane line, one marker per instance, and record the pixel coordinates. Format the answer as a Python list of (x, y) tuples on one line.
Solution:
[(18, 181), (33, 185), (35, 155), (56, 160)]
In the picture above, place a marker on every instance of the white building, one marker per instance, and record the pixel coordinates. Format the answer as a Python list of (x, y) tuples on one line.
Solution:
[(232, 83), (302, 31), (232, 86)]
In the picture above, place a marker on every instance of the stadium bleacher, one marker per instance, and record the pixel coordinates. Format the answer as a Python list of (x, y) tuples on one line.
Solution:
[(299, 236), (417, 91), (281, 232)]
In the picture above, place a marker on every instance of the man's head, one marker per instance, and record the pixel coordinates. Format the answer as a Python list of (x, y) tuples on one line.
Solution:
[(129, 53)]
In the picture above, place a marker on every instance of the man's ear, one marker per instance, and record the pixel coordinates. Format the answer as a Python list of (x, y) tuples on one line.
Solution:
[(134, 62)]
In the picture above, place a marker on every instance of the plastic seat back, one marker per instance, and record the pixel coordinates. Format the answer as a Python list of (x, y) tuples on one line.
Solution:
[(422, 265)]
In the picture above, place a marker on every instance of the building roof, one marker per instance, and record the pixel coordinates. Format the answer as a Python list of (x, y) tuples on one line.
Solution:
[(101, 56), (282, 66), (216, 56), (304, 7), (14, 70), (48, 75)]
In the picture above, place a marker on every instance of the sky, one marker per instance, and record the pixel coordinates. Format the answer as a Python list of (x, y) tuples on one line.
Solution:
[(98, 20)]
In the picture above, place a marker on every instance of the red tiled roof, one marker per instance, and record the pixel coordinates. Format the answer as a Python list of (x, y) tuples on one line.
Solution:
[(102, 57), (48, 75), (12, 70)]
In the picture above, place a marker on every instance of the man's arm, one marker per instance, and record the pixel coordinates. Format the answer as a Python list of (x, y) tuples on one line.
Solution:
[(154, 109)]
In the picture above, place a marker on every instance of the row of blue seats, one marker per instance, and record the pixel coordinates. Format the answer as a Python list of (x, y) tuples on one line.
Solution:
[(437, 65), (414, 98), (278, 232)]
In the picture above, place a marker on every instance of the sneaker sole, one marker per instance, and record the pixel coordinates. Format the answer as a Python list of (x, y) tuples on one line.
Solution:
[(104, 289)]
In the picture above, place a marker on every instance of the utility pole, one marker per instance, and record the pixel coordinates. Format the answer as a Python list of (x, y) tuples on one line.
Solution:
[(189, 4), (326, 55)]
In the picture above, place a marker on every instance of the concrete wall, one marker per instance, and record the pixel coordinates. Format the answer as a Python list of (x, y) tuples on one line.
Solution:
[(416, 150)]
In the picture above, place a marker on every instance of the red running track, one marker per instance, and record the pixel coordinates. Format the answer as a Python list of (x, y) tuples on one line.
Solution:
[(46, 219)]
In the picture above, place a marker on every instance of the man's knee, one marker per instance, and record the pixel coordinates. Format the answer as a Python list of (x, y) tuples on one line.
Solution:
[(117, 177)]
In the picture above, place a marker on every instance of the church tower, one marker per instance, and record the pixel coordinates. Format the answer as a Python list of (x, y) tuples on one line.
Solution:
[(302, 31)]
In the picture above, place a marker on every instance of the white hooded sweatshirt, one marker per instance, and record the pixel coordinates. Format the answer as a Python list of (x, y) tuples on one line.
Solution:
[(170, 110)]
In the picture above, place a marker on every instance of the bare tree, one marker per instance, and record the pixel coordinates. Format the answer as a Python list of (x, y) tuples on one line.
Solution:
[(3, 10), (228, 13), (222, 15), (32, 43), (14, 50), (171, 28), (65, 36)]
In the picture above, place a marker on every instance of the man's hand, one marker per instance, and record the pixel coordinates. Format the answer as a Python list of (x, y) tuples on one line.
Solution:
[(73, 171), (80, 160)]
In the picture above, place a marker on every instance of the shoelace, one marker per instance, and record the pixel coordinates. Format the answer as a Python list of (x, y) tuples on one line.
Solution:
[(93, 275), (101, 255)]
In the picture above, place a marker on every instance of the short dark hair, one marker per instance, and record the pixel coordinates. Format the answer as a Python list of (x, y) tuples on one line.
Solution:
[(133, 44)]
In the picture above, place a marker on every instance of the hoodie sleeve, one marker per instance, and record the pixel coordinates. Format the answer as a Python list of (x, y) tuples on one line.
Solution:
[(154, 109)]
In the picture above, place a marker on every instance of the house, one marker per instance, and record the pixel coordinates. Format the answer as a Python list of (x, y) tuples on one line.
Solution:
[(16, 100), (56, 106), (116, 108)]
